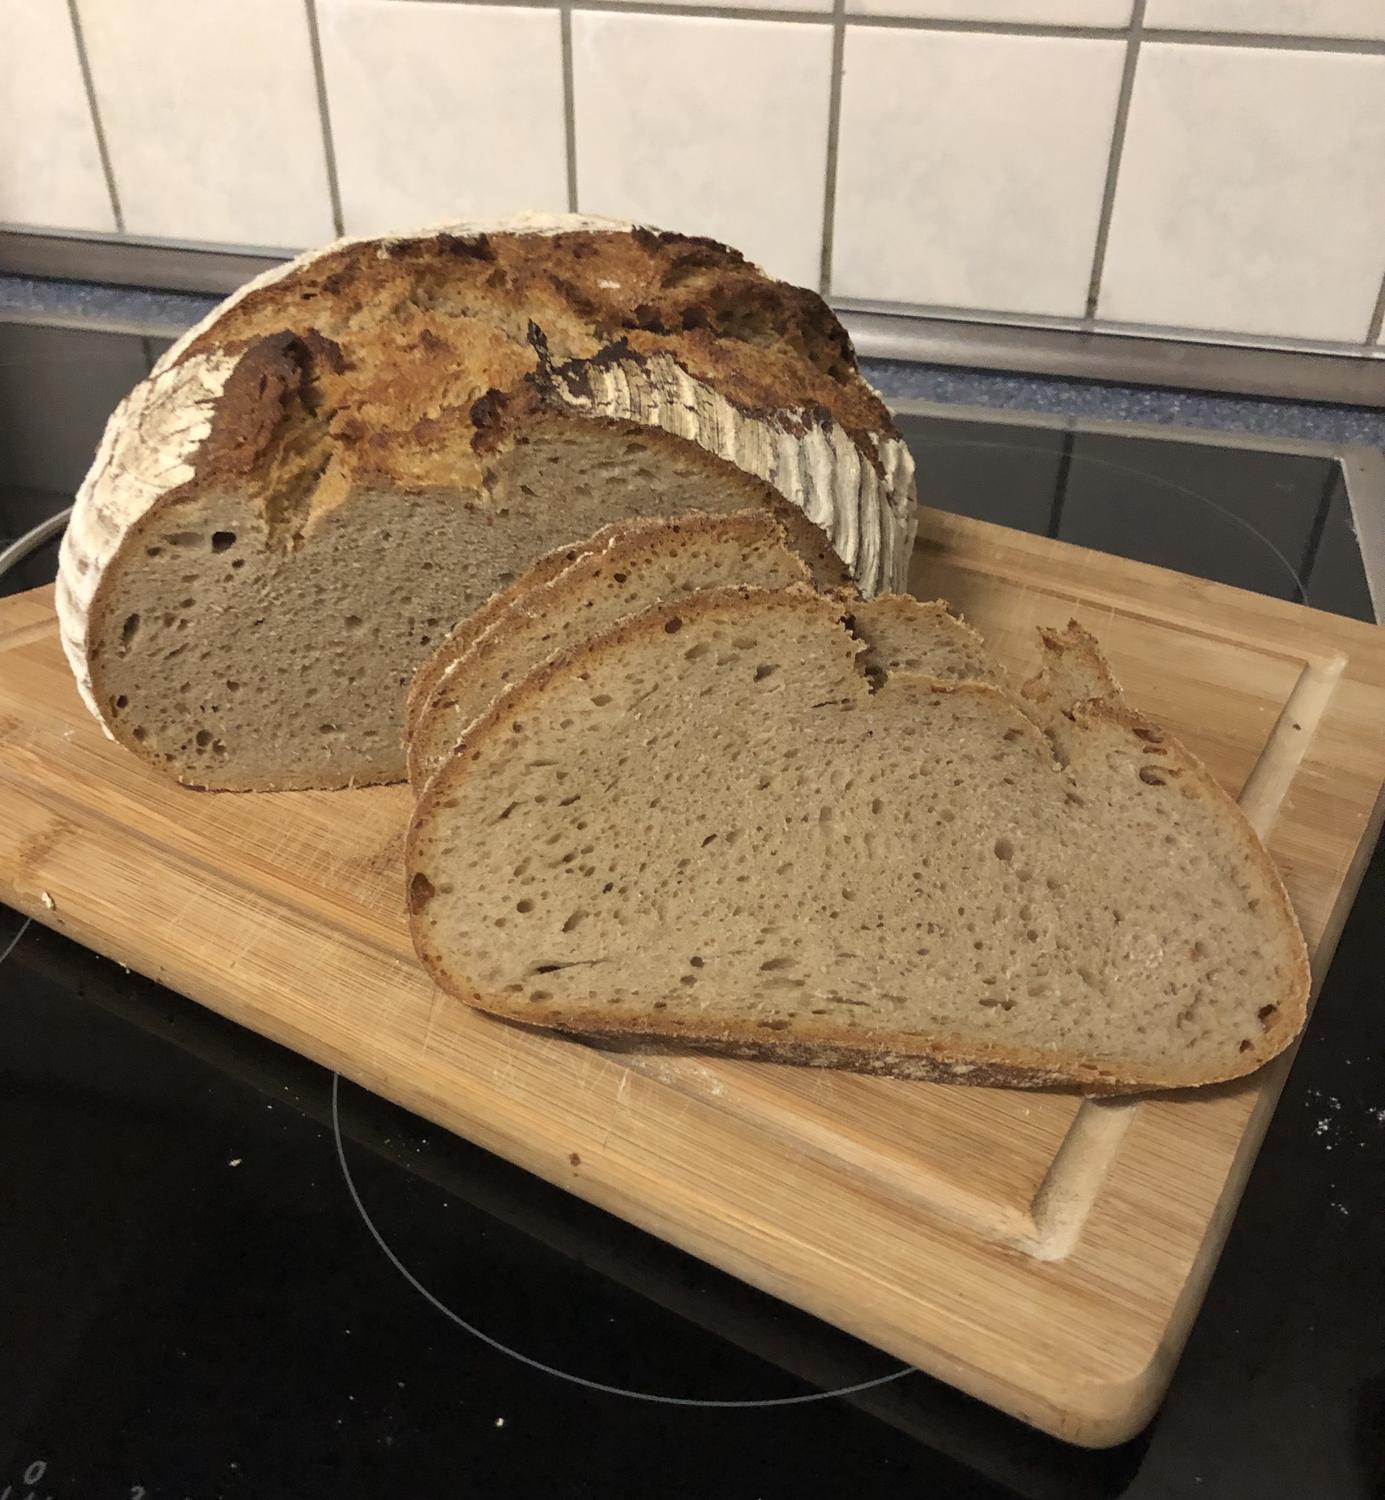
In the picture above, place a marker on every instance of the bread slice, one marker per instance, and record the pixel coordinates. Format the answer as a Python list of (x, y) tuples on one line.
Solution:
[(705, 825), (810, 542), (639, 565), (356, 451)]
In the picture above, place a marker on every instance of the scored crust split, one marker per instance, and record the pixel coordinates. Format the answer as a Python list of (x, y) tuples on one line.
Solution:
[(359, 449), (709, 825)]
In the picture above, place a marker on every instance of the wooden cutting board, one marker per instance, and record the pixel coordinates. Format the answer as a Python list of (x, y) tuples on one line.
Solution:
[(1044, 1253)]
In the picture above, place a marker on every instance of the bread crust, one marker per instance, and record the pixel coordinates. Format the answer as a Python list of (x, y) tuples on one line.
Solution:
[(885, 1053)]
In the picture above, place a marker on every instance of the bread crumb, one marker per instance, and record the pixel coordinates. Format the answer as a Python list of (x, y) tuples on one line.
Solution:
[(48, 901), (500, 1421), (235, 1161)]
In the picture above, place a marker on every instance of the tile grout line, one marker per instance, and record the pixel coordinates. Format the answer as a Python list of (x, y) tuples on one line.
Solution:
[(1377, 317), (1264, 41), (569, 107), (1113, 163), (324, 115), (102, 149), (1276, 41), (834, 126)]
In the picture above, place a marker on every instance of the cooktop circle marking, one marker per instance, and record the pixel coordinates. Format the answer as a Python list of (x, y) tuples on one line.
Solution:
[(538, 1364)]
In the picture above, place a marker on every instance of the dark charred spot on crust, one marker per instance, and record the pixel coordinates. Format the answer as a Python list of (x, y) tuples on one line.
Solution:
[(538, 341), (421, 892)]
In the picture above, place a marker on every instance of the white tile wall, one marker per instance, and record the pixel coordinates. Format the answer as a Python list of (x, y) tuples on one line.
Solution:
[(970, 168), (211, 118), (1030, 12), (712, 126), (443, 111), (971, 154), (50, 168), (1336, 18), (1250, 193)]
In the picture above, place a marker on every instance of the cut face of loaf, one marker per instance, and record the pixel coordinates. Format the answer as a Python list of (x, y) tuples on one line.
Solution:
[(357, 451), (638, 566), (706, 825)]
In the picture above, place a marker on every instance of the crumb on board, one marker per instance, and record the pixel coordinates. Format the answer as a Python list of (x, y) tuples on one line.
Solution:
[(47, 898)]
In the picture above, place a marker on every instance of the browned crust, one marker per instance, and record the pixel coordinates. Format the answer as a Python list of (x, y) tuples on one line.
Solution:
[(572, 299), (886, 1053), (630, 547)]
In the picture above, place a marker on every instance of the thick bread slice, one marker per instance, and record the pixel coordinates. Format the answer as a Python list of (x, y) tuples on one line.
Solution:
[(704, 825), (357, 450), (649, 563), (826, 569)]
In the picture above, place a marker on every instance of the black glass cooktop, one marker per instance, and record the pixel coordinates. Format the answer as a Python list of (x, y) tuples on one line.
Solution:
[(218, 1277)]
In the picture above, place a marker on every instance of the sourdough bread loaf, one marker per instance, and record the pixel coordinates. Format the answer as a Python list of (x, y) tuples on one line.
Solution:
[(359, 449), (710, 824), (639, 565)]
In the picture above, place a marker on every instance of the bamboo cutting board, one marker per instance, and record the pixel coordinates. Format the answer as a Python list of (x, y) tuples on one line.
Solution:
[(1044, 1253)]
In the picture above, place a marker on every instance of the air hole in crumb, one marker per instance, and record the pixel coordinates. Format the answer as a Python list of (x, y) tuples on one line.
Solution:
[(765, 669), (525, 904), (223, 541), (693, 652), (129, 630), (352, 622), (421, 892), (1004, 850), (773, 965), (539, 995), (122, 701), (139, 732), (574, 921), (1151, 777), (600, 700), (203, 738), (673, 625), (1265, 1012), (1245, 1044)]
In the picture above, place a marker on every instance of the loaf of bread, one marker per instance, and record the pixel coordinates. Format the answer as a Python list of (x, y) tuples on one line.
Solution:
[(711, 823), (357, 450)]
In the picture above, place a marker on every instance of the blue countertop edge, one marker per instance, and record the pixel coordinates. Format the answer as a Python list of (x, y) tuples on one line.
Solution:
[(165, 314)]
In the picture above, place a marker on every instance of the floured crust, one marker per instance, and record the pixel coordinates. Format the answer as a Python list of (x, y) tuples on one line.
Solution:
[(421, 360), (885, 1052)]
